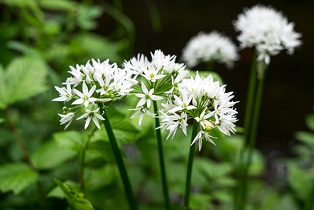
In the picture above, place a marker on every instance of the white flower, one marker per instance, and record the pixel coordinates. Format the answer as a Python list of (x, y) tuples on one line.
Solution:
[(173, 121), (141, 112), (205, 101), (152, 74), (78, 75), (199, 138), (65, 93), (267, 30), (209, 47), (147, 96), (85, 95), (160, 60), (91, 115), (66, 118), (182, 103)]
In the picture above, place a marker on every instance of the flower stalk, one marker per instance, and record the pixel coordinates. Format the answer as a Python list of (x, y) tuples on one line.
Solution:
[(82, 159), (161, 158), (190, 167), (118, 157), (251, 137)]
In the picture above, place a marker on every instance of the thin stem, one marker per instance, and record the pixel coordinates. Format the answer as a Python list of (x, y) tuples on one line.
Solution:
[(118, 157), (161, 159), (82, 159), (250, 99), (190, 166), (247, 123), (253, 133), (27, 156), (310, 200)]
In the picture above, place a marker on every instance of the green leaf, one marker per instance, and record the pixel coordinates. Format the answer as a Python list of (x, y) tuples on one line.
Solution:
[(75, 199), (19, 3), (87, 15), (51, 155), (58, 4), (305, 137), (56, 192), (299, 181), (310, 121), (16, 177), (69, 139), (200, 202), (91, 45), (25, 77)]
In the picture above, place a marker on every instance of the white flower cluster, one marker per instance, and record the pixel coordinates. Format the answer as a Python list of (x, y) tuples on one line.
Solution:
[(209, 47), (267, 30), (205, 101), (159, 79), (89, 87)]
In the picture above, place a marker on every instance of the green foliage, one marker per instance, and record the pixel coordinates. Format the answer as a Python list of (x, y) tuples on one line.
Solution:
[(74, 198), (51, 154), (24, 77), (16, 177)]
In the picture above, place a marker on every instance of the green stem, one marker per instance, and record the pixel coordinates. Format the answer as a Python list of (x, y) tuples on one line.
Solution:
[(190, 165), (118, 157), (247, 123), (82, 159), (161, 159), (253, 133), (250, 99), (310, 201)]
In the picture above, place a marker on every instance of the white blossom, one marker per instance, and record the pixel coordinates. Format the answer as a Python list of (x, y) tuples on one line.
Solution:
[(85, 97), (205, 101), (66, 119), (93, 85), (207, 47), (91, 115), (267, 30), (146, 97)]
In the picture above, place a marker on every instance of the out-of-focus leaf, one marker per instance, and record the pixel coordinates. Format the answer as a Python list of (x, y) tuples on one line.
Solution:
[(200, 201), (69, 139), (75, 199), (19, 3), (56, 192), (23, 48), (87, 15), (299, 181), (91, 45), (58, 4), (16, 177), (310, 121), (306, 137), (98, 178), (25, 77), (51, 155)]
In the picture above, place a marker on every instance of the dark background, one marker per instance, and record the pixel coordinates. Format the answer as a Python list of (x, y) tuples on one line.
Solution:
[(288, 94)]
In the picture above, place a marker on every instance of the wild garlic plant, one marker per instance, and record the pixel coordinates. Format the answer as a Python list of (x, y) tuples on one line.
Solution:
[(269, 32), (91, 88), (158, 80)]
